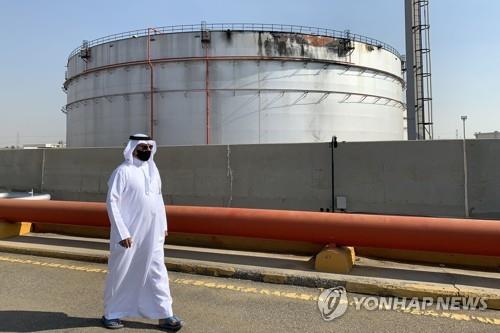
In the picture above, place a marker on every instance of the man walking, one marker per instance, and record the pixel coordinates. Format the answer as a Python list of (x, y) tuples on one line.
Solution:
[(137, 283)]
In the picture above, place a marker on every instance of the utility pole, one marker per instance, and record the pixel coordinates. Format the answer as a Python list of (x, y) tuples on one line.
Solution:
[(466, 196)]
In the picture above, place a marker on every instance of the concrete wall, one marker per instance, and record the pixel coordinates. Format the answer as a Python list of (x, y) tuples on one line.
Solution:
[(484, 177), (416, 178), (413, 177), (21, 169)]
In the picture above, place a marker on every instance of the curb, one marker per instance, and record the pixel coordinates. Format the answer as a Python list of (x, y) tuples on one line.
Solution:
[(59, 254), (355, 284)]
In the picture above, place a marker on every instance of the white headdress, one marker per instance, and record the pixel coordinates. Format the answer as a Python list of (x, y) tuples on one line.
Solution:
[(138, 139)]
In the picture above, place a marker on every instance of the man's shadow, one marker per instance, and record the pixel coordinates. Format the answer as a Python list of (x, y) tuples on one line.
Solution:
[(35, 321)]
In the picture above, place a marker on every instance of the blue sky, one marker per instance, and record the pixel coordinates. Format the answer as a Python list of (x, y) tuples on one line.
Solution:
[(37, 37)]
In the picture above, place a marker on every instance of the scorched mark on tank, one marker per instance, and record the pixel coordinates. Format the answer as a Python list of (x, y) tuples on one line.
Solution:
[(290, 45)]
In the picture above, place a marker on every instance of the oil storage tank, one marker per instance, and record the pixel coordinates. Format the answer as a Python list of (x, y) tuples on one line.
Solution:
[(233, 83)]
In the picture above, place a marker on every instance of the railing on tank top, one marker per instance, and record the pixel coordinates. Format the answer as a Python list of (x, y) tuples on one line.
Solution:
[(257, 27)]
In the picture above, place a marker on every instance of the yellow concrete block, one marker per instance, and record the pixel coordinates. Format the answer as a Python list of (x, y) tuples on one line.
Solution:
[(335, 260), (11, 229)]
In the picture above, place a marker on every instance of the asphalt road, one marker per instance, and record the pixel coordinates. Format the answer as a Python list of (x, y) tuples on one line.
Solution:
[(45, 294)]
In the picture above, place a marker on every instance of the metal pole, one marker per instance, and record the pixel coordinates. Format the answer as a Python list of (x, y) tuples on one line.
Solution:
[(151, 93), (151, 82), (411, 120), (207, 97), (333, 145), (466, 196), (205, 42)]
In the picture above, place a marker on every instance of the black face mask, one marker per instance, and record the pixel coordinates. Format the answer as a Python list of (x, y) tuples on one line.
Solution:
[(143, 155)]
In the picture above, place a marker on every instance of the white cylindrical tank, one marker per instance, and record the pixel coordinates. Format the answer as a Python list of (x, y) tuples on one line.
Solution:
[(231, 84)]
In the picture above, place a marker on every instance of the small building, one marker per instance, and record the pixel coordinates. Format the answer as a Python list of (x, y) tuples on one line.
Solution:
[(487, 135)]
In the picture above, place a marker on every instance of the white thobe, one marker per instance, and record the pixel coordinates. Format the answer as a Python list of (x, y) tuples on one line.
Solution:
[(137, 283)]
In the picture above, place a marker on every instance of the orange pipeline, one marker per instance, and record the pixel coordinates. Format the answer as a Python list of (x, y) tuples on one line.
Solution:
[(467, 236)]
